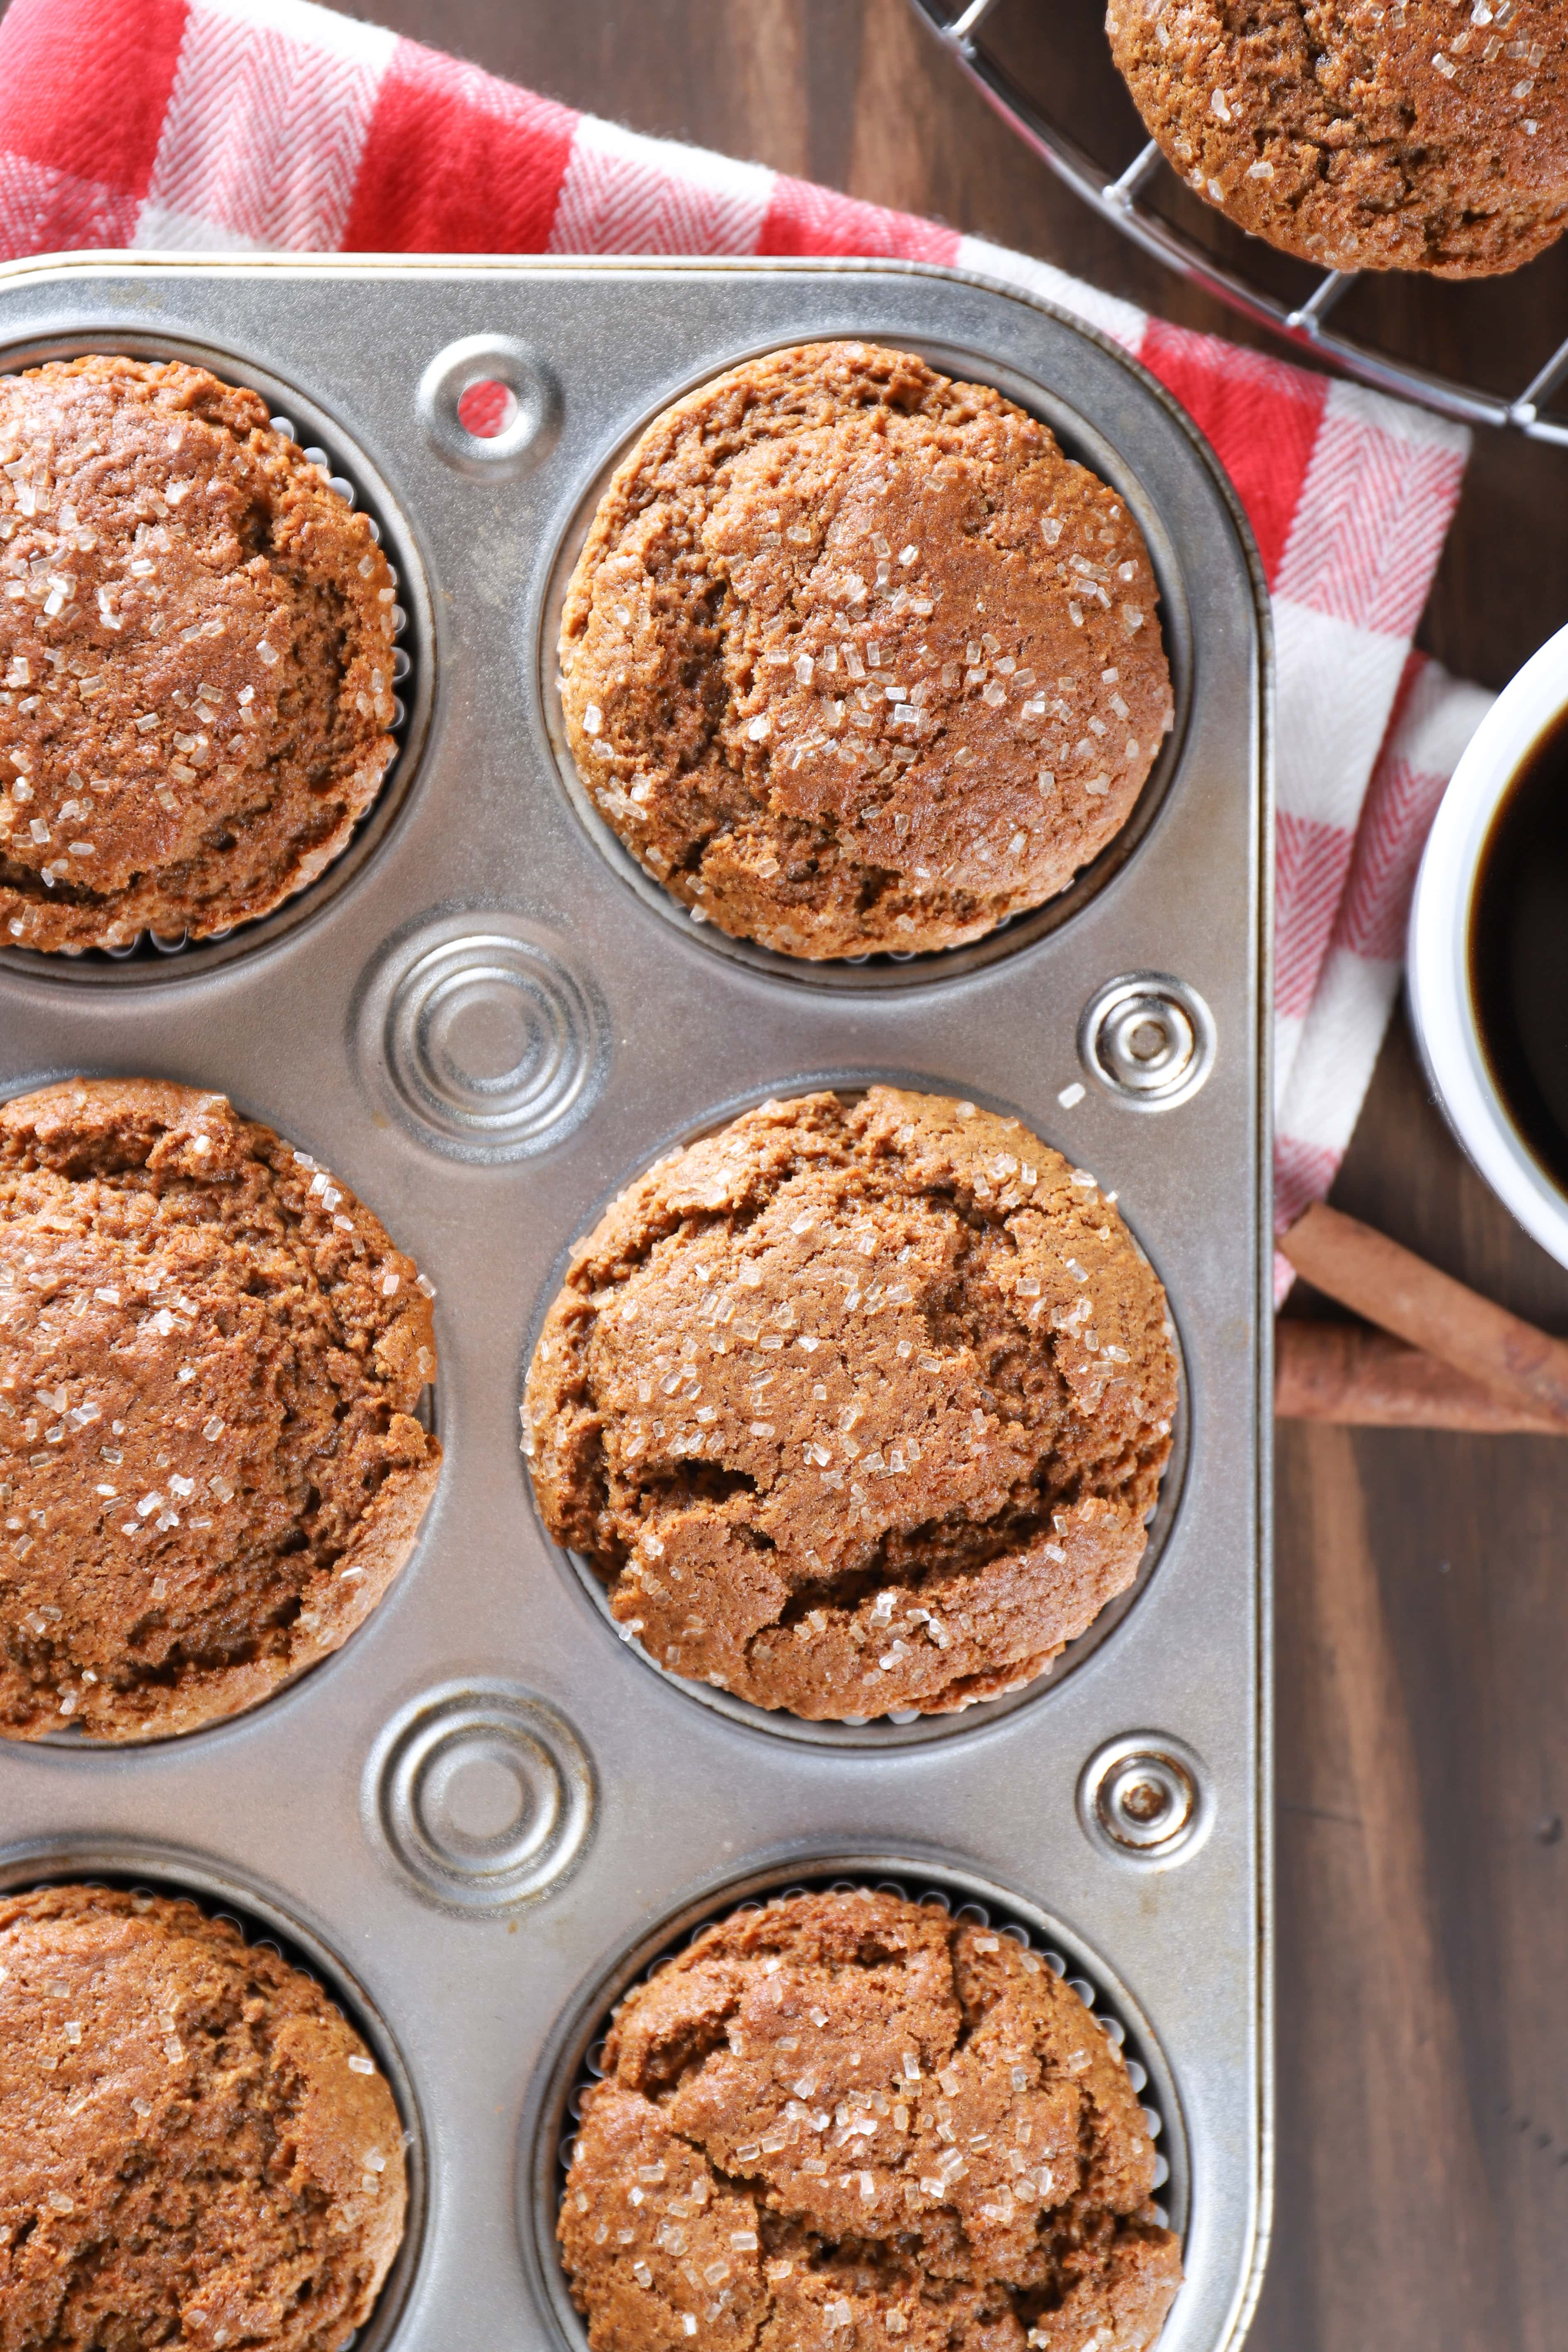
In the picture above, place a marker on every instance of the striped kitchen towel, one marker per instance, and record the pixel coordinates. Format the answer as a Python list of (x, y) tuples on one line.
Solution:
[(261, 125)]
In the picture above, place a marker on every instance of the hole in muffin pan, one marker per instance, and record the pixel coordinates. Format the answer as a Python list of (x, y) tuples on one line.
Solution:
[(487, 409), (572, 2065), (1147, 1800), (137, 1867), (1148, 1040), (152, 958), (906, 1728), (490, 408), (1079, 440)]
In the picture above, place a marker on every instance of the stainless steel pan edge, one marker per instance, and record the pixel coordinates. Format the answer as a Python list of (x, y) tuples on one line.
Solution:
[(293, 1801)]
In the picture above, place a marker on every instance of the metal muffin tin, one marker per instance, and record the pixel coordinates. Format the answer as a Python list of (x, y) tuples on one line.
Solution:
[(488, 1813)]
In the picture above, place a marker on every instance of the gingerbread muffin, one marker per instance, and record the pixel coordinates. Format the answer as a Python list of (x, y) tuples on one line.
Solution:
[(847, 2119), (856, 659), (195, 2146), (210, 1360), (856, 1406), (1364, 134), (195, 658)]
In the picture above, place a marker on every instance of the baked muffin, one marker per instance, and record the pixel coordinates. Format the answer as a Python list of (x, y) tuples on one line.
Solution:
[(845, 2119), (854, 659), (195, 2146), (856, 1406), (1362, 134), (210, 1470), (195, 658)]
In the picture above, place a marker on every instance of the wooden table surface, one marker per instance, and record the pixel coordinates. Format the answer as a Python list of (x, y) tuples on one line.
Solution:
[(1422, 2193)]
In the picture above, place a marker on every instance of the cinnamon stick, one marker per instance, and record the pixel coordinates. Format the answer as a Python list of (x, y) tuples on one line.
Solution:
[(1393, 1287), (1344, 1372)]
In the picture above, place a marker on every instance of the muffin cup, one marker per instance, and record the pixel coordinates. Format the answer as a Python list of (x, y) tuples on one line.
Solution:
[(545, 2155), (871, 973), (222, 1892), (903, 1726), (327, 444)]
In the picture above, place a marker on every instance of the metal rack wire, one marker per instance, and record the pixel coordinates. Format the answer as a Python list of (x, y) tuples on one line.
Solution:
[(1122, 197)]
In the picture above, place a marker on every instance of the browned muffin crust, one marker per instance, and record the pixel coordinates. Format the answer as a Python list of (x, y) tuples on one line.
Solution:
[(856, 1406), (854, 659), (195, 2146), (1364, 134), (845, 2120), (195, 658), (210, 1358)]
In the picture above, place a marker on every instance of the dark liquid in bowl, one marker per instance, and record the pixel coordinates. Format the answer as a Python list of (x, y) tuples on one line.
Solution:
[(1518, 952)]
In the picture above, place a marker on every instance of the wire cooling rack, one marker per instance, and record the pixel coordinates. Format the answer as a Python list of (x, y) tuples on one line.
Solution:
[(1029, 45)]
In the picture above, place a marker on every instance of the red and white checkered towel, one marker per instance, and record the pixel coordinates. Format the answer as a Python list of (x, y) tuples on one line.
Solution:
[(260, 125)]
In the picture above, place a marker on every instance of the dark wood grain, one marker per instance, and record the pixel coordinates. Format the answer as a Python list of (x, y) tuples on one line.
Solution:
[(1423, 1580)]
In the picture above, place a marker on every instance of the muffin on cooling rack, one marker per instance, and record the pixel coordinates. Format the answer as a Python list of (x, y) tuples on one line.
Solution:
[(195, 658), (856, 1406), (195, 2146), (211, 1356), (847, 2119), (1364, 134), (854, 659)]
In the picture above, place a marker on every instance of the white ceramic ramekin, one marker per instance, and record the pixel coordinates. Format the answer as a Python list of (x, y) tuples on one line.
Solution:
[(1442, 1000)]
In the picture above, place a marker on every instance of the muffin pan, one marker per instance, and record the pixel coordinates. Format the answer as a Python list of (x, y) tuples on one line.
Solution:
[(485, 1814)]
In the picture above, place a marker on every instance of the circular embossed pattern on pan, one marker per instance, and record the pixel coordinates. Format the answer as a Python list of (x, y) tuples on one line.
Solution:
[(197, 657), (1146, 1797), (483, 1793), (151, 2063), (857, 1406), (856, 659), (209, 1456), (491, 1046), (845, 2115), (1362, 136), (1149, 1039)]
